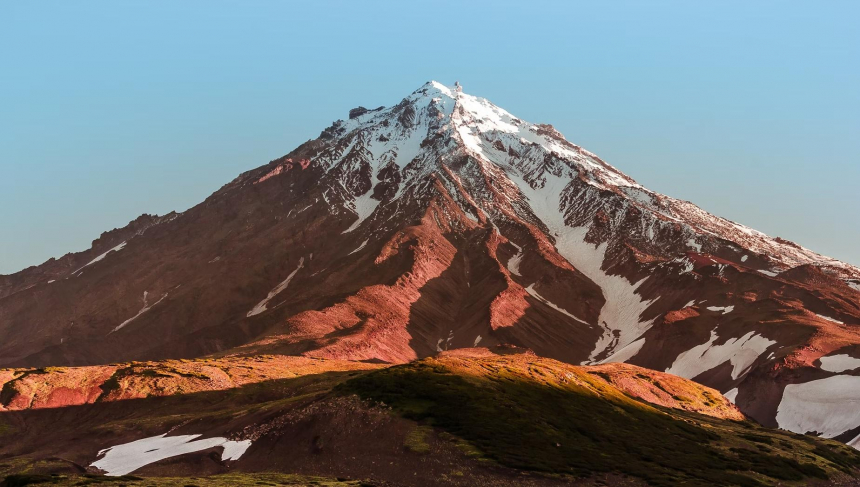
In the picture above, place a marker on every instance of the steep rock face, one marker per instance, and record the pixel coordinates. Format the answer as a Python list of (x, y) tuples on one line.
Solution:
[(445, 222)]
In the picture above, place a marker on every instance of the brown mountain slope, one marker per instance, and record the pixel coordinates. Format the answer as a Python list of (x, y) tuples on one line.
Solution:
[(444, 222)]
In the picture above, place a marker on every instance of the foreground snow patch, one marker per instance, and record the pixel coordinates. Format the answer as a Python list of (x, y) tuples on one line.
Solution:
[(128, 457), (828, 406), (839, 363), (740, 352)]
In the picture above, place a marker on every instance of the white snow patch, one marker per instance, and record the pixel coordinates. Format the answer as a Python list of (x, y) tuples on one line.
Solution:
[(99, 258), (839, 363), (829, 319), (731, 395), (769, 273), (854, 285), (691, 303), (536, 295), (744, 258), (233, 450), (514, 262), (363, 206), (128, 457), (740, 352), (261, 306), (620, 316), (52, 280), (693, 244), (689, 265), (725, 309), (146, 307), (828, 406), (477, 340), (363, 244), (625, 353)]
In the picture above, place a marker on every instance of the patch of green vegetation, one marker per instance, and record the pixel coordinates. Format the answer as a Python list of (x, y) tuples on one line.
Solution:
[(26, 465), (416, 439), (21, 480), (464, 446), (188, 375), (151, 373), (756, 438), (90, 479), (843, 456), (112, 383), (565, 428), (26, 479), (5, 427)]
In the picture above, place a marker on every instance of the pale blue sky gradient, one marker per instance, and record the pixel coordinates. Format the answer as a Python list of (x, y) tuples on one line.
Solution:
[(112, 109)]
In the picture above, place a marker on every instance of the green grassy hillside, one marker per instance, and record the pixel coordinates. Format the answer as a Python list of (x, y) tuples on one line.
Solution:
[(536, 414)]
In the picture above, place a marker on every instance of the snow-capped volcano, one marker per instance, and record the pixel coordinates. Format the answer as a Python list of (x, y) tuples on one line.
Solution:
[(446, 222), (436, 125)]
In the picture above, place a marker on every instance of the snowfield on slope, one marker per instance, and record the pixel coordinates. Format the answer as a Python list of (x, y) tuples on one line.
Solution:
[(625, 353), (740, 352), (363, 206), (828, 406), (839, 363), (126, 458), (620, 316)]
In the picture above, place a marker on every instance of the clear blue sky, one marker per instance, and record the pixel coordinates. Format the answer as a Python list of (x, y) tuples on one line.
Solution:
[(113, 109)]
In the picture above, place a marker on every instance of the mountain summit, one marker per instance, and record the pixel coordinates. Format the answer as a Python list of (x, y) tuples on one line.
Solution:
[(445, 222)]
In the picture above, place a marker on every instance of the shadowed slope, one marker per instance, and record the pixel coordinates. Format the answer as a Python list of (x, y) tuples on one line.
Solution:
[(538, 414), (490, 417)]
